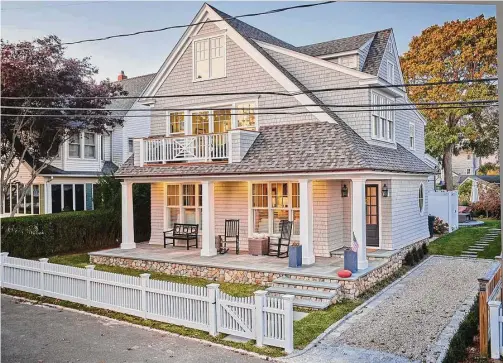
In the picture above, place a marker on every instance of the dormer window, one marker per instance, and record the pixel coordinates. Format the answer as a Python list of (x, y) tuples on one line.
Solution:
[(209, 58)]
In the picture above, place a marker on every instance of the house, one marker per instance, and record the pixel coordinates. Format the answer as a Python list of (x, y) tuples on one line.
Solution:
[(333, 173), (466, 163), (68, 183)]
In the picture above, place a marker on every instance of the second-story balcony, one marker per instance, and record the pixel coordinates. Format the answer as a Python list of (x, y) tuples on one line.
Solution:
[(198, 148)]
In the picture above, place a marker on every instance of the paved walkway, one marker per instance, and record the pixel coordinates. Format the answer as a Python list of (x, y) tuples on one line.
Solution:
[(412, 320), (482, 244), (36, 333)]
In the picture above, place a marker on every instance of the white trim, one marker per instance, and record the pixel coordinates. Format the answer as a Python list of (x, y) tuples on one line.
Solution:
[(379, 206), (393, 91), (377, 112), (341, 54), (198, 38), (318, 61), (391, 79), (413, 147), (421, 211), (207, 35)]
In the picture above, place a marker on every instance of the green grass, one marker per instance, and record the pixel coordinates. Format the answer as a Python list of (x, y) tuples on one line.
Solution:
[(453, 244), (82, 259)]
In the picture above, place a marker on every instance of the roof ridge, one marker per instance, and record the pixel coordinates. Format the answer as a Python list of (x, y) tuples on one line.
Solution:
[(136, 77)]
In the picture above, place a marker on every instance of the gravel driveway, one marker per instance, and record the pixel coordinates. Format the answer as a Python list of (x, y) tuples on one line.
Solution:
[(407, 321)]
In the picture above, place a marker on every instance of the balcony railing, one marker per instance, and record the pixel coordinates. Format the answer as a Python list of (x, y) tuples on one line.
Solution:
[(186, 148)]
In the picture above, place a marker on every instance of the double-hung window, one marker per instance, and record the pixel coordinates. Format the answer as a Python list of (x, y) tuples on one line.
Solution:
[(31, 202), (382, 118), (200, 123), (83, 144), (74, 146), (412, 136), (209, 58), (390, 72), (177, 123), (246, 115), (89, 145), (221, 121), (184, 204)]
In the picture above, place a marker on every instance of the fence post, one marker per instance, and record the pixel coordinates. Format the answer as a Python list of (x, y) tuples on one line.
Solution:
[(89, 273), (483, 317), (3, 255), (260, 297), (494, 312), (144, 283), (43, 262), (213, 290), (288, 307)]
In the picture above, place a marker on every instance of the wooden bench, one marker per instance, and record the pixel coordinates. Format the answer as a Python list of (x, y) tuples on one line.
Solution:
[(183, 232)]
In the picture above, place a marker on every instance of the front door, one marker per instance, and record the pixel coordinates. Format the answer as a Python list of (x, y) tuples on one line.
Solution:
[(372, 220)]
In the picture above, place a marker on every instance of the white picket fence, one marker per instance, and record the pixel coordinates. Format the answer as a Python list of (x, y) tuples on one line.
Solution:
[(268, 320)]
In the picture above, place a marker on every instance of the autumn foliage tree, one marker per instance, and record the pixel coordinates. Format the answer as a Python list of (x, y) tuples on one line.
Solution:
[(40, 69), (457, 50), (489, 202)]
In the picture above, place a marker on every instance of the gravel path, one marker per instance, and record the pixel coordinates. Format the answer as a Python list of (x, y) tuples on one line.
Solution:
[(405, 322)]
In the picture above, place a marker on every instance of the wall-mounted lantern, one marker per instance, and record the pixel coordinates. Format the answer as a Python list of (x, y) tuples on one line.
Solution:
[(344, 191), (385, 191)]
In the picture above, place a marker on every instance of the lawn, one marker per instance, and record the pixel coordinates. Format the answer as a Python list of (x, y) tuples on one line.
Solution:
[(453, 244)]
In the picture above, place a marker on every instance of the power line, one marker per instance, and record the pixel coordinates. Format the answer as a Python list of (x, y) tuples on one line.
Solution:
[(223, 108), (273, 11), (259, 113), (257, 93)]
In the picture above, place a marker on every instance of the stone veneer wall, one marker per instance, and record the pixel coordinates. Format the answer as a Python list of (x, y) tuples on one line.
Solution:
[(349, 288)]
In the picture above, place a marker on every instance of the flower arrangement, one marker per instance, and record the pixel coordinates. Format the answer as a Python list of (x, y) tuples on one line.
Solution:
[(295, 243), (439, 226)]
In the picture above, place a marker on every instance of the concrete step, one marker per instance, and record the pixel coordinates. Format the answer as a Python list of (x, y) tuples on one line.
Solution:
[(474, 249), (317, 284), (301, 292), (320, 305), (468, 256)]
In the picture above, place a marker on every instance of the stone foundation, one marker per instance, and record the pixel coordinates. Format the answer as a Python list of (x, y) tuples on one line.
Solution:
[(349, 288)]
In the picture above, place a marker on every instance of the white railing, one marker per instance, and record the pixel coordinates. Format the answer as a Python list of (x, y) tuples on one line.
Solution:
[(268, 320), (186, 148)]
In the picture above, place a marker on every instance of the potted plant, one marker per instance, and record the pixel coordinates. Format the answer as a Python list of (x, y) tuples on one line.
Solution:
[(295, 254)]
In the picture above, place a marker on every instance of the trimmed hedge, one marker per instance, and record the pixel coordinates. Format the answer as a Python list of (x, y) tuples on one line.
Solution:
[(59, 233)]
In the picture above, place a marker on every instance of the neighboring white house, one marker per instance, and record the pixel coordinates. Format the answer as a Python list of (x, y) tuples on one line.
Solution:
[(333, 173), (467, 163), (68, 183)]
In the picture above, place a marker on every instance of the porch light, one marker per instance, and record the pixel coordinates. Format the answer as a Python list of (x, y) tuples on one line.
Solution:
[(385, 191), (344, 191)]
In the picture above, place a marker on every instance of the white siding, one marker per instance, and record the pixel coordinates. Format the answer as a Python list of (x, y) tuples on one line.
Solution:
[(135, 127), (117, 138), (157, 213), (107, 147)]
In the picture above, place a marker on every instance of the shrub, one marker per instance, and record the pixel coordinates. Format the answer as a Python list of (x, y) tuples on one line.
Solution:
[(409, 259), (439, 226), (424, 247), (420, 253), (415, 255), (464, 336), (52, 234)]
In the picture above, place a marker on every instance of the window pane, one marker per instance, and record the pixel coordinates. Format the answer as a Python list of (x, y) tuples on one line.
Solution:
[(56, 198), (201, 53), (14, 195), (295, 195), (36, 199), (259, 195), (190, 215), (375, 125), (177, 122), (246, 116), (130, 145), (27, 201), (278, 215), (67, 197), (173, 192), (74, 146), (79, 197), (89, 196), (200, 191), (200, 123), (260, 221), (221, 121), (279, 194), (296, 222), (173, 216), (217, 59)]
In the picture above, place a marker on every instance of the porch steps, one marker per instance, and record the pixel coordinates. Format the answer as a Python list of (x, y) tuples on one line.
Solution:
[(318, 284), (301, 292), (303, 303)]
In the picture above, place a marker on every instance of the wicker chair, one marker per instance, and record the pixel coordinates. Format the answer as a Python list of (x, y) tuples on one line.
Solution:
[(279, 248)]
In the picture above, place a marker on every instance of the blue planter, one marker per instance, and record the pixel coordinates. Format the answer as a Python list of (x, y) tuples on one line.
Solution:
[(350, 260), (295, 256)]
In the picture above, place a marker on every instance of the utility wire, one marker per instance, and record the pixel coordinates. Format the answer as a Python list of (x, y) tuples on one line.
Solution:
[(259, 113), (223, 108), (258, 93), (273, 11)]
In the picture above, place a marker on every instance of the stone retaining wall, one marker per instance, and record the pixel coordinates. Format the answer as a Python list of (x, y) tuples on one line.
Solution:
[(349, 288)]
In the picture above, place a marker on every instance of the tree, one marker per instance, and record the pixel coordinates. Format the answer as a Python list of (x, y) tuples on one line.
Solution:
[(489, 202), (489, 169), (40, 69), (457, 50)]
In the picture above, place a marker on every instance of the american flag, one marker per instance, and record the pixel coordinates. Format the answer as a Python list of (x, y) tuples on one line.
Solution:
[(354, 246)]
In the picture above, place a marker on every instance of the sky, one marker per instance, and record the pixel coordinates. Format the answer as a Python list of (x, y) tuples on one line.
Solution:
[(143, 54)]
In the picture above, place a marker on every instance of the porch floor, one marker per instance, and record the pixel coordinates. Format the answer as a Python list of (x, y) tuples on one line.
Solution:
[(324, 267)]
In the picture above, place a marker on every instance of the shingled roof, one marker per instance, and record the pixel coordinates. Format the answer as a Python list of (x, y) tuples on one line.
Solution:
[(336, 45), (135, 87)]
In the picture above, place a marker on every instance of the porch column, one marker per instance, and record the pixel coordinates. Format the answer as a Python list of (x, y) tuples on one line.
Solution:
[(306, 221), (208, 243), (127, 216), (358, 220)]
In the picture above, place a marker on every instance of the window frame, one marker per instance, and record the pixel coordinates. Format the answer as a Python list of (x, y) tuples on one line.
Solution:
[(421, 199), (168, 123), (207, 38), (412, 136), (181, 207), (82, 147), (390, 79), (79, 138), (94, 145), (383, 117), (31, 196)]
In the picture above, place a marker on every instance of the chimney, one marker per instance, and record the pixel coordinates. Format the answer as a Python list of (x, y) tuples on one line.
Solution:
[(121, 76)]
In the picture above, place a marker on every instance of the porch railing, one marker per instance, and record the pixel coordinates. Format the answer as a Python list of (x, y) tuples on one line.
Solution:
[(186, 148)]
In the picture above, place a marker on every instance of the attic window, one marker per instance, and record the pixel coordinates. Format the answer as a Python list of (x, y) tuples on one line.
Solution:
[(209, 58)]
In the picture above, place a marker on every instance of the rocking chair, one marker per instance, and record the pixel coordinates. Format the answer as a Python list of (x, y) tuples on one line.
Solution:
[(275, 248), (231, 235)]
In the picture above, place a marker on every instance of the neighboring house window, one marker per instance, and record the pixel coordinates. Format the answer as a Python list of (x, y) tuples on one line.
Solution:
[(130, 145), (89, 145), (30, 203), (273, 202), (200, 123), (468, 171), (70, 197), (209, 58), (421, 198), (184, 204), (391, 72), (412, 136), (468, 156), (221, 121), (246, 115), (102, 143), (389, 47), (382, 118), (176, 123), (74, 146)]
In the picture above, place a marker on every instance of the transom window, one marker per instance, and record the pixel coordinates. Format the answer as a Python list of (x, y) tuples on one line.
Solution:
[(209, 58), (383, 117), (273, 202), (184, 204)]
